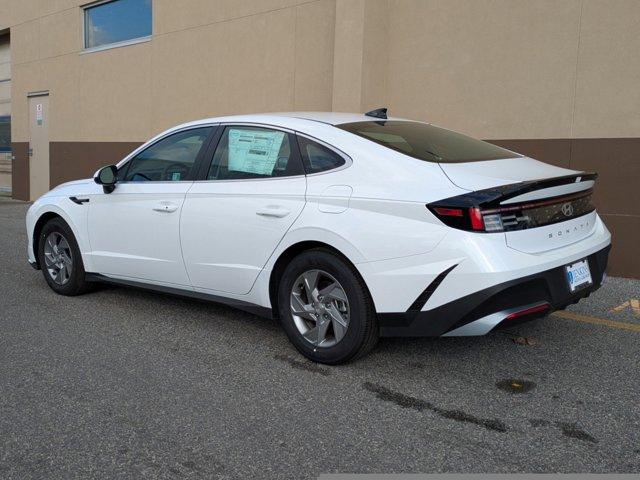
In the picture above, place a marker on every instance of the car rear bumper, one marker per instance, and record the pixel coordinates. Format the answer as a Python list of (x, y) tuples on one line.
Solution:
[(481, 311)]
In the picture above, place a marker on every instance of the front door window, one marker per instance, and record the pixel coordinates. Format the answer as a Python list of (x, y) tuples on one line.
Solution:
[(168, 160)]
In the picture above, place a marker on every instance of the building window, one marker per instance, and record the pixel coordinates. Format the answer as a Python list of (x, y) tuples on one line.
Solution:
[(5, 134), (116, 22)]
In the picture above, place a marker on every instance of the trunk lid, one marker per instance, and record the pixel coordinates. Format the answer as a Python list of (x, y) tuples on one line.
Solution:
[(494, 173), (537, 207)]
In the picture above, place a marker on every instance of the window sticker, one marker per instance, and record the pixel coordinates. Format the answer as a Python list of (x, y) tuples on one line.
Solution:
[(254, 151)]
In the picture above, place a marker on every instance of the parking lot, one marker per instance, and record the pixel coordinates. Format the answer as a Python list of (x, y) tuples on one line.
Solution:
[(130, 384)]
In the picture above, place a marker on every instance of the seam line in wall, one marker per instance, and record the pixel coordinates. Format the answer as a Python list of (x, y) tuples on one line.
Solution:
[(153, 35), (35, 19), (231, 19), (575, 80)]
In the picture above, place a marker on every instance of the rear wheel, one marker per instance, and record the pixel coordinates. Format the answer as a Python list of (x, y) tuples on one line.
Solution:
[(325, 308), (60, 259)]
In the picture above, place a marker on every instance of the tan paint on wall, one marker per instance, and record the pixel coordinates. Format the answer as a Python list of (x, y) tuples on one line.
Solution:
[(452, 62), (175, 15), (59, 33), (197, 72), (455, 62), (131, 93), (607, 89), (114, 94), (375, 55), (348, 54), (25, 39), (314, 50), (15, 12), (26, 77)]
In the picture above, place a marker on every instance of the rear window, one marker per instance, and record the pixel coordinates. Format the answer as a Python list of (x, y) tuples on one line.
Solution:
[(426, 142), (318, 158)]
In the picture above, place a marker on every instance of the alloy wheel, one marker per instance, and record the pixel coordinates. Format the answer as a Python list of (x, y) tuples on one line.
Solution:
[(58, 258), (320, 308)]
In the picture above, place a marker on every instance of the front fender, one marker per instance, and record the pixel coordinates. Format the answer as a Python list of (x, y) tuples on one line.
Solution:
[(76, 216)]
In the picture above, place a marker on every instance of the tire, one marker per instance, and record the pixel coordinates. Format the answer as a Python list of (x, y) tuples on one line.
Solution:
[(338, 280), (72, 282)]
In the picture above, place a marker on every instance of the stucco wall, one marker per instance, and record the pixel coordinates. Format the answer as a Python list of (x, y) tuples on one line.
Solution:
[(554, 79), (282, 51)]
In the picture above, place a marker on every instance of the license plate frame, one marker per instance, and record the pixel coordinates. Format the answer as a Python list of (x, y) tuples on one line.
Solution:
[(578, 275)]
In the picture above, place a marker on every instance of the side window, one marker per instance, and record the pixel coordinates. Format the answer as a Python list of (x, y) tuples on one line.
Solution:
[(168, 160), (253, 152), (318, 158)]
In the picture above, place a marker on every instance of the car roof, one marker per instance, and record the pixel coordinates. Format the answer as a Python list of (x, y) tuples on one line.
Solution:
[(289, 119), (332, 118)]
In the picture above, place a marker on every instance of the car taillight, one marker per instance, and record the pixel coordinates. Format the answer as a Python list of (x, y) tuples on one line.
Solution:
[(464, 218), (470, 212), (477, 222), (449, 212)]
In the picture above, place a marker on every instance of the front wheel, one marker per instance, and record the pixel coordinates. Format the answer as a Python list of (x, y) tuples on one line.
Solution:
[(60, 259), (325, 308)]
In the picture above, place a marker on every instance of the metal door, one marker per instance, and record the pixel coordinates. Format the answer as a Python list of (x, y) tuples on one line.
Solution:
[(38, 145)]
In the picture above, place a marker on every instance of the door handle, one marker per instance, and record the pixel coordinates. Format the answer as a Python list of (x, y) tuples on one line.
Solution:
[(273, 211), (165, 207)]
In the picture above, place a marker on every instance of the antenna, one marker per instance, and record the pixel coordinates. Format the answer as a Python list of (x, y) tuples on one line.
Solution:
[(378, 113)]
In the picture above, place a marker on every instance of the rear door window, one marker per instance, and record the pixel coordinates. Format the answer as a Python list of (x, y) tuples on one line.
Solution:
[(245, 152), (427, 142)]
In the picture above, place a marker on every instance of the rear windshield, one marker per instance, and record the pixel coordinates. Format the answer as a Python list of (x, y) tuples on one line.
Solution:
[(426, 142)]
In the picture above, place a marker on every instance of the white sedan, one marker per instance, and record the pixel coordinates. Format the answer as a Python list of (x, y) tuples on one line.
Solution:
[(345, 227)]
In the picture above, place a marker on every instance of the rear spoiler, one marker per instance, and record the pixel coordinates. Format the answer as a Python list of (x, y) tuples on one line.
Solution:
[(484, 210), (492, 197)]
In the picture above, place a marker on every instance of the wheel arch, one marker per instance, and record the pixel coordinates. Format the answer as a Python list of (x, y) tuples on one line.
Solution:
[(46, 214), (291, 252), (37, 229)]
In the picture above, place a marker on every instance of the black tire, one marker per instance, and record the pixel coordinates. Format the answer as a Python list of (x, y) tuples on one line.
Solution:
[(76, 283), (362, 331)]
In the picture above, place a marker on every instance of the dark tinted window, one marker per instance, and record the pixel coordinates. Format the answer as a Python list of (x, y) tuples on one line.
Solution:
[(116, 21), (318, 158), (168, 160), (426, 142), (253, 152)]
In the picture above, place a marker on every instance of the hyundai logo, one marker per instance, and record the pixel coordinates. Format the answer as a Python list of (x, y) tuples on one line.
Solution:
[(567, 209)]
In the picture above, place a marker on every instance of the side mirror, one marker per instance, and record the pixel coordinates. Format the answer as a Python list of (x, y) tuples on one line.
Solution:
[(107, 177)]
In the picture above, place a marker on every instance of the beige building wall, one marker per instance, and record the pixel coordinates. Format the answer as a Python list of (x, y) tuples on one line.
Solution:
[(504, 69), (237, 57), (554, 79)]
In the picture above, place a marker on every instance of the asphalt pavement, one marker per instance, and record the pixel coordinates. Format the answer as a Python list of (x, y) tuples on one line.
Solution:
[(123, 383)]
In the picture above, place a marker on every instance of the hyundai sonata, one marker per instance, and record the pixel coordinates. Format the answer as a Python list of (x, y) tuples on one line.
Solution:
[(345, 227)]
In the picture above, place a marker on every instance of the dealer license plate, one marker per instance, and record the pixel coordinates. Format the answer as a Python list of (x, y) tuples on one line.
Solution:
[(578, 275)]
